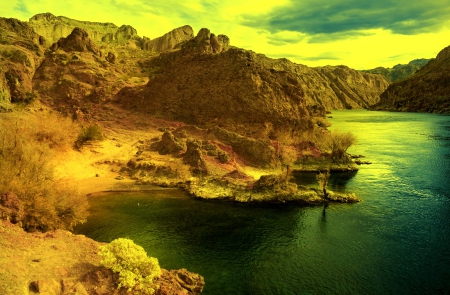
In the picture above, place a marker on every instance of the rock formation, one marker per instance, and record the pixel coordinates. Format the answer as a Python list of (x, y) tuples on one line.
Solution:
[(55, 27), (428, 90), (79, 41), (206, 42), (400, 71), (170, 40), (21, 52)]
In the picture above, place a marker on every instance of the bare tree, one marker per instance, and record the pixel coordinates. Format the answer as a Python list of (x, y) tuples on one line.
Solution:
[(322, 179), (338, 142)]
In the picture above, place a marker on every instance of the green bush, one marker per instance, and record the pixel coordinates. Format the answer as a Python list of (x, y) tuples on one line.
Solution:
[(130, 261), (91, 132)]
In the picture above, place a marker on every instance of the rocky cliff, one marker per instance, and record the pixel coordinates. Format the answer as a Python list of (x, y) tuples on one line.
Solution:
[(170, 40), (21, 53), (76, 76), (400, 71), (52, 28), (428, 90)]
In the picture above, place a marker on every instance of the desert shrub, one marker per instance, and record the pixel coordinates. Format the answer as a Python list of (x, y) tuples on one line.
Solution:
[(91, 132), (223, 156), (338, 142), (25, 169), (134, 267), (55, 130), (321, 122)]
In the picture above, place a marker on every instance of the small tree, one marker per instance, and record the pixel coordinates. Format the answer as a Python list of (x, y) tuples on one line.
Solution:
[(322, 179), (338, 142), (130, 261), (288, 155)]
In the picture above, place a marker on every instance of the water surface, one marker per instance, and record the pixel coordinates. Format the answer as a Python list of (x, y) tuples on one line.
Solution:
[(397, 241)]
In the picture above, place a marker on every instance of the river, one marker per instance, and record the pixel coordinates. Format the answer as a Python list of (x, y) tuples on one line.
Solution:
[(396, 241)]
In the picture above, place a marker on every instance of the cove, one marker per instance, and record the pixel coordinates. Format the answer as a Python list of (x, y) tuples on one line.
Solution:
[(396, 241)]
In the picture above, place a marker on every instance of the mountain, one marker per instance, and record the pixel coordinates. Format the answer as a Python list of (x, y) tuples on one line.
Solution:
[(400, 71), (52, 28), (428, 90), (21, 53)]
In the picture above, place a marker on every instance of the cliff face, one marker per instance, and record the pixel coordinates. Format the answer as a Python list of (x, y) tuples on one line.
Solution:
[(337, 87), (428, 90), (21, 53), (170, 40), (400, 71), (52, 28)]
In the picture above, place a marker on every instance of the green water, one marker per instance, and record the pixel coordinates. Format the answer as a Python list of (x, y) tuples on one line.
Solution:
[(397, 241)]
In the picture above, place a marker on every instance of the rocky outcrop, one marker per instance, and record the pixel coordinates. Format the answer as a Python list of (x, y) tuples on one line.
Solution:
[(170, 40), (55, 27), (206, 42), (169, 144), (21, 52), (257, 152), (193, 157), (78, 41), (428, 90), (122, 36), (177, 282), (400, 71)]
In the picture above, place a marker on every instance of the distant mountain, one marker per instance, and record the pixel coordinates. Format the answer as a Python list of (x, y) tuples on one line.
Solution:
[(428, 90), (400, 71)]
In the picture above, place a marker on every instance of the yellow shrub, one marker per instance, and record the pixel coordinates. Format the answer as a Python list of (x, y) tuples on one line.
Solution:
[(131, 262)]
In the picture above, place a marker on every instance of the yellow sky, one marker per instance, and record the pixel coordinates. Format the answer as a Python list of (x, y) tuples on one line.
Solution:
[(310, 32)]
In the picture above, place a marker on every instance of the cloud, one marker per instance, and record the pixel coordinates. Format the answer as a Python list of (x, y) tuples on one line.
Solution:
[(345, 17), (283, 38), (22, 7)]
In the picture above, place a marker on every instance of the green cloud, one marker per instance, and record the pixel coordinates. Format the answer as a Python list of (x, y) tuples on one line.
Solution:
[(345, 17)]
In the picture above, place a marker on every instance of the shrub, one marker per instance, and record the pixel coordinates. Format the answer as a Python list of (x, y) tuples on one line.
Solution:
[(322, 179), (338, 142), (25, 170), (223, 157), (130, 261), (91, 132)]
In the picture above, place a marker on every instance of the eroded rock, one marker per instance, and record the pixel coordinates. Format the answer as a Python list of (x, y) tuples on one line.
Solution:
[(79, 41)]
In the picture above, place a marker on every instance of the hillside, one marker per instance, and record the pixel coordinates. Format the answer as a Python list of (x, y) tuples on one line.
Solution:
[(428, 90), (401, 71), (21, 53), (337, 87)]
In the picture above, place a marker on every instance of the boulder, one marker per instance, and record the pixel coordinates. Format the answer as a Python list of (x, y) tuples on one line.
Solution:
[(194, 158), (168, 144), (111, 57), (177, 282)]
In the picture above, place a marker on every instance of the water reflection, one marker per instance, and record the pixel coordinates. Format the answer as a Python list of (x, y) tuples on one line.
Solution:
[(337, 182)]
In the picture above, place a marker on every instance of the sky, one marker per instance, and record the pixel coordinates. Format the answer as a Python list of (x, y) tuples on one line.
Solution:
[(361, 34)]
